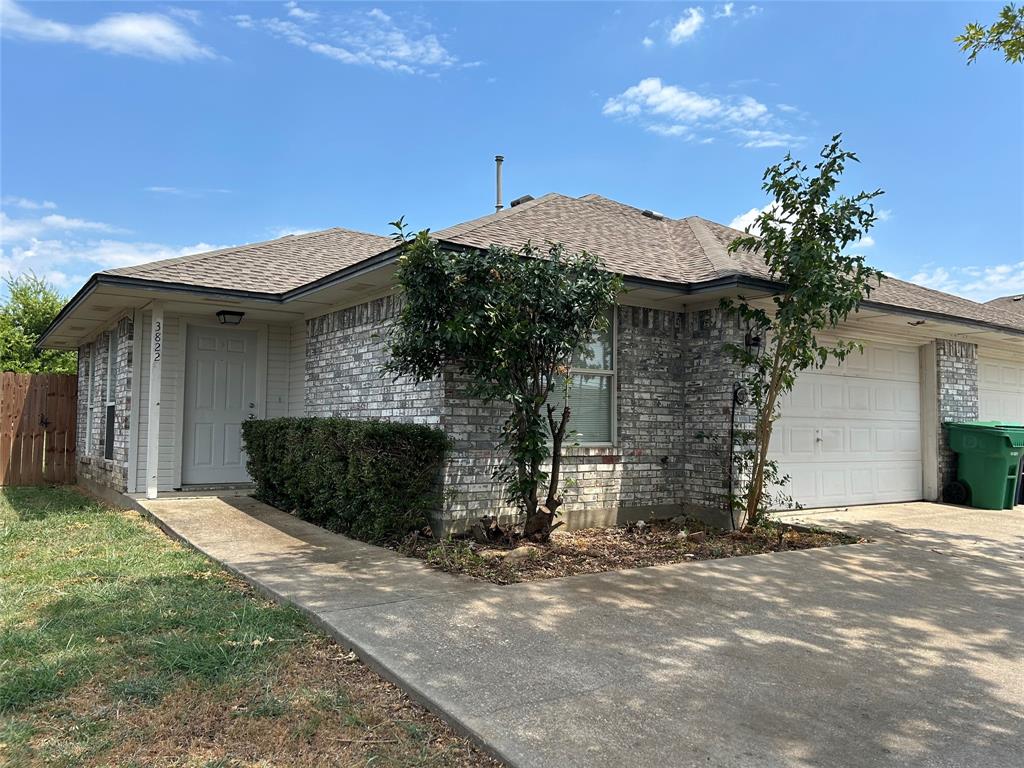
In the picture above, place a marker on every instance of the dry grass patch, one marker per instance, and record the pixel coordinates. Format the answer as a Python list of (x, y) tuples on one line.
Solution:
[(119, 647)]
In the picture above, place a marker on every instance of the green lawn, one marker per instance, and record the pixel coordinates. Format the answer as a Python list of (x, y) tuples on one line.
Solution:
[(120, 647)]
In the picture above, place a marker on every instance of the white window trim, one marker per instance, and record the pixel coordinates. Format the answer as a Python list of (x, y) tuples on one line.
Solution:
[(110, 385), (613, 400), (90, 407)]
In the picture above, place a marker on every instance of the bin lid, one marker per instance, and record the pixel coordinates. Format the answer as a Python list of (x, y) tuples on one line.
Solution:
[(1012, 431)]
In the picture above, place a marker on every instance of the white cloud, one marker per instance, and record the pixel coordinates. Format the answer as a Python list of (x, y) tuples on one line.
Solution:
[(366, 38), (884, 214), (299, 13), (670, 110), (15, 230), (186, 192), (663, 129), (725, 12), (752, 10), (688, 25), (68, 262), (787, 108), (747, 219), (66, 249), (978, 283), (865, 242), (31, 205), (148, 35), (276, 232), (647, 42), (190, 15), (761, 139)]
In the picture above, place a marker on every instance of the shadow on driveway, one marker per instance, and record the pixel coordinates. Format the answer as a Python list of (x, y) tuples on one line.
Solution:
[(908, 651)]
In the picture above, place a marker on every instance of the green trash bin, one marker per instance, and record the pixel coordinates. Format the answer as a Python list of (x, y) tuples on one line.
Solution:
[(989, 461)]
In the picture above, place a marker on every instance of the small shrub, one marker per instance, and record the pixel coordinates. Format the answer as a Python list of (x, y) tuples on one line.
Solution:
[(372, 480)]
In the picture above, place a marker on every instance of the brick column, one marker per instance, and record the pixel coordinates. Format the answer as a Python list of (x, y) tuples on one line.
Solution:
[(710, 375), (956, 364)]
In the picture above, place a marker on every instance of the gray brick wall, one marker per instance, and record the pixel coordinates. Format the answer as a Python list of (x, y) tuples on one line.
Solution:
[(957, 393), (643, 475), (92, 465), (344, 354), (673, 406), (710, 375)]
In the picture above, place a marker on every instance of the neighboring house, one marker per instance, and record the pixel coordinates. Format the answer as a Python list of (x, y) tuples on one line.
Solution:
[(174, 355)]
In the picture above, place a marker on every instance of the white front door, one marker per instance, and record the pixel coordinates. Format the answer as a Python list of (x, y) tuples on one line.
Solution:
[(220, 393), (851, 434), (1000, 389)]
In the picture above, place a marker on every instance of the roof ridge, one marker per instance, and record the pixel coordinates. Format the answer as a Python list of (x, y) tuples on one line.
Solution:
[(719, 258), (203, 255), (464, 228)]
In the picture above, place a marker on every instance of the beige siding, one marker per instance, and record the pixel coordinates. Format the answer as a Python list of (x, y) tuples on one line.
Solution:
[(297, 370), (277, 388), (171, 379), (278, 370)]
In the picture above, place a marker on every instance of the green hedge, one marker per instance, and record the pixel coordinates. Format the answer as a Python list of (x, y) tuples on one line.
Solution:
[(372, 480)]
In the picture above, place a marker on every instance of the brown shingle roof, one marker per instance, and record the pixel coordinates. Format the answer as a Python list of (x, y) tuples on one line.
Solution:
[(1014, 304), (689, 250), (271, 267)]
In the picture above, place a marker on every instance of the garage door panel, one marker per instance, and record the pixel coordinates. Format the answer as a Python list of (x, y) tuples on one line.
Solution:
[(1000, 390), (801, 440), (837, 484), (852, 434)]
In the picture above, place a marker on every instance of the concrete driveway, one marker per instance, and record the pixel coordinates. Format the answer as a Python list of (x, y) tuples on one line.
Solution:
[(908, 651)]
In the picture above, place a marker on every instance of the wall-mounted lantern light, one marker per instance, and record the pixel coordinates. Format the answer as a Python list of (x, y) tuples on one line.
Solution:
[(230, 317), (752, 342)]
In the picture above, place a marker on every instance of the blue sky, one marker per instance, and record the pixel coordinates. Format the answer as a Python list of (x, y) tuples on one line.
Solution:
[(134, 131)]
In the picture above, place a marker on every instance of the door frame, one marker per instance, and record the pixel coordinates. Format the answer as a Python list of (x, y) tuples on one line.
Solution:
[(184, 323)]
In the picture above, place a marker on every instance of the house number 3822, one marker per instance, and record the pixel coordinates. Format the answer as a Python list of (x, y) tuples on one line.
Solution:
[(158, 335)]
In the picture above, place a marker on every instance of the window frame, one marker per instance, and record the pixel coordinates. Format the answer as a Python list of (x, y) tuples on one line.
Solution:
[(110, 394), (90, 405), (612, 375)]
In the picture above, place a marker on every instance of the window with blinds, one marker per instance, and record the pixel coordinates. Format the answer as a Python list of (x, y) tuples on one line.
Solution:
[(591, 388)]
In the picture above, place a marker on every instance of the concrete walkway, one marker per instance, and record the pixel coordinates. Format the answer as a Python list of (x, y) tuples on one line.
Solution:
[(905, 652)]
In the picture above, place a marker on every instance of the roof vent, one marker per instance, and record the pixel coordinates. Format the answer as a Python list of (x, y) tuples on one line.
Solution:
[(520, 201), (654, 215)]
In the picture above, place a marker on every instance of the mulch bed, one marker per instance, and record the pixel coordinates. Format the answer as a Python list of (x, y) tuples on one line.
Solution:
[(594, 550)]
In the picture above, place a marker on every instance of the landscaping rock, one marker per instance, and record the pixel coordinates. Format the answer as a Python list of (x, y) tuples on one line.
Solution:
[(697, 536), (521, 553)]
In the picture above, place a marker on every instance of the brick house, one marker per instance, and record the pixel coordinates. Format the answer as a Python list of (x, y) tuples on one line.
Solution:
[(173, 355)]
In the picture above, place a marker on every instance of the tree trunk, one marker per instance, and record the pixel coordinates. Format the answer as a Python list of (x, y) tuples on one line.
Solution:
[(763, 434), (541, 522)]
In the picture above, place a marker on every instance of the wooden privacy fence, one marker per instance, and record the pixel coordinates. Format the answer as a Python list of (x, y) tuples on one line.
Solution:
[(37, 428)]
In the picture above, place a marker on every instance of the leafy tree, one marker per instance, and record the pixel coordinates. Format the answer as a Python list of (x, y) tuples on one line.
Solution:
[(803, 238), (30, 307), (509, 320), (1006, 35)]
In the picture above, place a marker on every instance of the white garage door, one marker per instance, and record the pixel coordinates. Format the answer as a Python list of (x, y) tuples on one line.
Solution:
[(851, 434), (1000, 390)]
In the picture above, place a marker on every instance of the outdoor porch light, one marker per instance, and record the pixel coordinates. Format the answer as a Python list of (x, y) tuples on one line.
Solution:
[(230, 317)]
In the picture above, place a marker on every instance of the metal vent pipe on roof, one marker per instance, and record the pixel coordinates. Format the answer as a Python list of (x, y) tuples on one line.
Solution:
[(498, 160)]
